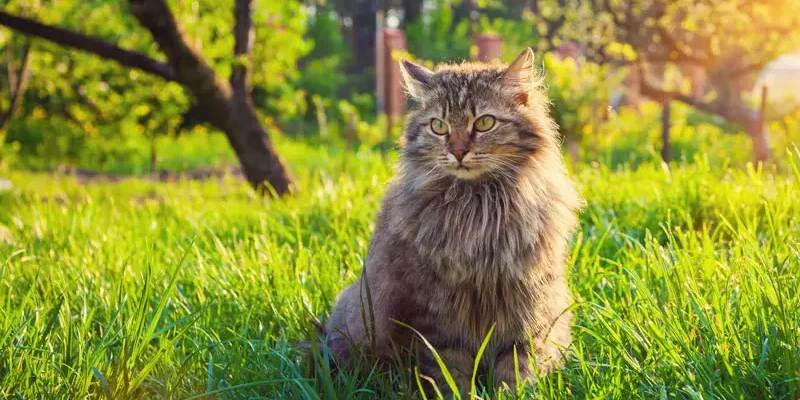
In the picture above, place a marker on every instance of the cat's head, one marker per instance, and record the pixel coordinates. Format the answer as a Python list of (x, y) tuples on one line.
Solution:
[(476, 120)]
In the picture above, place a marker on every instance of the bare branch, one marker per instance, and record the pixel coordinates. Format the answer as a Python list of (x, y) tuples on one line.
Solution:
[(89, 44), (18, 82), (664, 96), (244, 38)]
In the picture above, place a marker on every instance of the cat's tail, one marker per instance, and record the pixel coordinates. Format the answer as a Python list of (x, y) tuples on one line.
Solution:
[(308, 348)]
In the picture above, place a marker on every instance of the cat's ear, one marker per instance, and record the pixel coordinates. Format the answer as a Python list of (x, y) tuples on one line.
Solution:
[(416, 78), (520, 76)]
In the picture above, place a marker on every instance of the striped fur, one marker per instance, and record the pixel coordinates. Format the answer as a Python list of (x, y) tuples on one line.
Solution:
[(458, 249)]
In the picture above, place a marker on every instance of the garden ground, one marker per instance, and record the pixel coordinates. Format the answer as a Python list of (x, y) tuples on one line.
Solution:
[(685, 280)]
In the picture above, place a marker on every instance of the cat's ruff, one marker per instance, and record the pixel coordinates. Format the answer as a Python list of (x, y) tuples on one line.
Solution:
[(458, 250)]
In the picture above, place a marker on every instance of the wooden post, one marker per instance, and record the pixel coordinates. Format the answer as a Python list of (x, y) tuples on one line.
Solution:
[(666, 150), (762, 111), (758, 133), (489, 46), (380, 69), (394, 101)]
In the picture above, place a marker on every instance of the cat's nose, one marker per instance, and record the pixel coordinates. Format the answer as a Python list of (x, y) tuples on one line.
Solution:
[(458, 148), (458, 145)]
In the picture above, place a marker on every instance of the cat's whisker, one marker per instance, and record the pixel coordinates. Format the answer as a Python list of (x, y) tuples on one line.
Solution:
[(457, 250)]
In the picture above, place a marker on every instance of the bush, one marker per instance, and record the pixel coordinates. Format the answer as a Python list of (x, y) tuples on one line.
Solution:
[(438, 37), (632, 136), (580, 92)]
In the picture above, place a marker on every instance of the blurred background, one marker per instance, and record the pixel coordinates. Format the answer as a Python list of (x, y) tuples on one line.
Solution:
[(137, 262), (630, 80)]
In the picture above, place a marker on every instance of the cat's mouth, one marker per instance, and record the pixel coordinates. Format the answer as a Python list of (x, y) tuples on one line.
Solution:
[(462, 171)]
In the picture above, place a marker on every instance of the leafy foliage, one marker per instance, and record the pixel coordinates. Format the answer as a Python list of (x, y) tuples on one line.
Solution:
[(94, 100), (684, 279), (580, 92)]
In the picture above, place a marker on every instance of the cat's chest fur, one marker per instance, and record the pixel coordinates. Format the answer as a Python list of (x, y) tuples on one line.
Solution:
[(478, 248), (471, 234)]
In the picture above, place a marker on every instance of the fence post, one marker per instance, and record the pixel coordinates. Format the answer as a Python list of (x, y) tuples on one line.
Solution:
[(394, 101), (666, 150), (489, 46), (762, 111)]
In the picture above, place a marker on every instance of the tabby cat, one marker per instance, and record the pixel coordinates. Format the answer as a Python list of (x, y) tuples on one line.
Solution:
[(472, 233)]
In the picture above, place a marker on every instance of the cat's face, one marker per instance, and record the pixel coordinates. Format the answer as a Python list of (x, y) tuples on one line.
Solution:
[(474, 120)]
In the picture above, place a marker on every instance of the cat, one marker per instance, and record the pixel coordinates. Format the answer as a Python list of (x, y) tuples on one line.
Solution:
[(472, 233)]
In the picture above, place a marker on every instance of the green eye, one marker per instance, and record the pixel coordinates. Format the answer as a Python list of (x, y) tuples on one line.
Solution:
[(484, 123), (438, 126)]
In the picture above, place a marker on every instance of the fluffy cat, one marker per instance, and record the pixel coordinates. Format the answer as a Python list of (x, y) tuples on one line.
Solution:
[(472, 232)]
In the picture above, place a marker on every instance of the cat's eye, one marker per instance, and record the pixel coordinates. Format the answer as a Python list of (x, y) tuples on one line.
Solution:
[(438, 126), (484, 123)]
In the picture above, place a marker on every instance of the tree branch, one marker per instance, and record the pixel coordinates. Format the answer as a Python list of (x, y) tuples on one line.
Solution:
[(245, 36), (663, 96), (18, 82), (190, 67), (89, 44)]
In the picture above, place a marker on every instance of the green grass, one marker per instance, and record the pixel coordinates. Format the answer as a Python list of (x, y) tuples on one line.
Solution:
[(686, 284)]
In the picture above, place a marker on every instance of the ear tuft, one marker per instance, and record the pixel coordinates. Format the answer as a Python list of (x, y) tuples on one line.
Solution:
[(416, 78), (520, 76), (520, 71)]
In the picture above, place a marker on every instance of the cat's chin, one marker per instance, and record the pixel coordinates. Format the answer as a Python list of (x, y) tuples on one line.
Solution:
[(465, 173)]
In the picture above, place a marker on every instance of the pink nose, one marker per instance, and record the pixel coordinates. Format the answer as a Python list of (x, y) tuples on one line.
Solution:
[(459, 154)]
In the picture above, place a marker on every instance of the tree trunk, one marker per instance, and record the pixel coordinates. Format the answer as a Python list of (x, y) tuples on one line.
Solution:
[(226, 108), (666, 148), (758, 135)]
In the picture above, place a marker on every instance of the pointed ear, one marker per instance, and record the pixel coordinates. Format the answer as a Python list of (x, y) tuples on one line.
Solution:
[(416, 78), (519, 76)]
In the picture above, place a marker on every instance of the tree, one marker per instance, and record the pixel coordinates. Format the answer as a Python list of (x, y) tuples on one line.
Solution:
[(412, 10), (581, 94), (17, 80), (726, 41), (227, 105)]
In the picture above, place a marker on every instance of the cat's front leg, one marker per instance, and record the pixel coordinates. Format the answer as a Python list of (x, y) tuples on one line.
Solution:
[(458, 365), (514, 366)]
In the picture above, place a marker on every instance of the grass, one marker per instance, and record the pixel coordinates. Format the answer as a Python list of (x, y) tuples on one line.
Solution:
[(686, 283)]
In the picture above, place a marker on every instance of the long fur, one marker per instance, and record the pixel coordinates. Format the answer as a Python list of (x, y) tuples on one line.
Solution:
[(453, 256)]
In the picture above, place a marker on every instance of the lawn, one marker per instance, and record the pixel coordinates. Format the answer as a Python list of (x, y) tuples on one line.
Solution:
[(686, 282)]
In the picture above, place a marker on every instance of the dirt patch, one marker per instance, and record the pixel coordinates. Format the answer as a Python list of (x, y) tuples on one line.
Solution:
[(199, 174)]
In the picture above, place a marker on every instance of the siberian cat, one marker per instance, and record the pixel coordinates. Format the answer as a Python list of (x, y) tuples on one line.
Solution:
[(472, 233)]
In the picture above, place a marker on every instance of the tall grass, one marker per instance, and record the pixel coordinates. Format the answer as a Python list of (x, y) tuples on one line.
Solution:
[(686, 284)]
